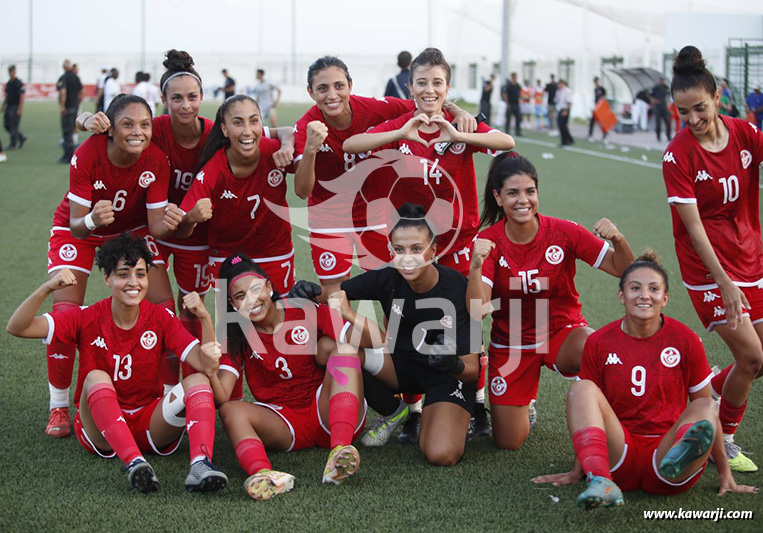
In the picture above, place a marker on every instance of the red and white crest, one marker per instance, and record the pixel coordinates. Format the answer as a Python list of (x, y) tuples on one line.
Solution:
[(148, 339), (146, 179), (670, 357)]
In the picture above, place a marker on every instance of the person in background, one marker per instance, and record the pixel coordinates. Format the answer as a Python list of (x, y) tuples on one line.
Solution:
[(398, 86), (599, 92), (551, 103), (263, 93), (69, 97), (659, 96), (539, 96), (487, 92), (510, 94), (12, 107), (754, 104), (147, 90), (641, 110), (99, 88), (111, 88), (229, 89), (564, 105)]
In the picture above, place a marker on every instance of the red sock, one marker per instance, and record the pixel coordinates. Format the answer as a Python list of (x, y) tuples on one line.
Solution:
[(169, 368), (107, 415), (343, 418), (251, 456), (730, 416), (192, 324), (717, 382), (590, 445), (483, 371), (411, 398), (61, 356), (200, 420)]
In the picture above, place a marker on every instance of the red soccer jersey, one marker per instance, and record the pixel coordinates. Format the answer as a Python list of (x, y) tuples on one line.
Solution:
[(425, 175), (131, 190), (724, 185), (282, 370), (646, 380), (331, 162), (242, 220), (541, 276), (132, 358), (183, 163)]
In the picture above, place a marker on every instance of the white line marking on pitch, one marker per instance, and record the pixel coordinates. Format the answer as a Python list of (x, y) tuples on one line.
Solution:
[(593, 153)]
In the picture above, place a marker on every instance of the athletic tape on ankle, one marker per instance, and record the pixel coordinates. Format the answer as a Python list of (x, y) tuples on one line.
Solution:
[(171, 408), (374, 360), (342, 361)]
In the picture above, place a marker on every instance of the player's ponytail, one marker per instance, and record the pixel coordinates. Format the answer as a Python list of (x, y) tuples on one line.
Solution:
[(178, 63), (233, 267), (504, 166), (690, 71), (648, 259), (216, 138)]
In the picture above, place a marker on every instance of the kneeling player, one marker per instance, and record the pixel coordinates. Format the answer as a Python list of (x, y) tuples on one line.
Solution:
[(631, 427), (299, 404), (122, 409)]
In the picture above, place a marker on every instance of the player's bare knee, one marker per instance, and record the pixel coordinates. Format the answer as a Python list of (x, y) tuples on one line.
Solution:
[(229, 411), (581, 389), (443, 456), (509, 442), (750, 364), (194, 379), (95, 377)]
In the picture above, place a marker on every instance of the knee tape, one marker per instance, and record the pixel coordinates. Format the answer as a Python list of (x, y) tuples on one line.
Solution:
[(342, 361), (374, 360), (172, 408)]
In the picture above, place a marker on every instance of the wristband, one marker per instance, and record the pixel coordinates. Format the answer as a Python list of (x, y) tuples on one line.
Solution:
[(89, 224)]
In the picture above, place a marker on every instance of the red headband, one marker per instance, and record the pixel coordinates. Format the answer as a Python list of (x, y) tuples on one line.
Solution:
[(245, 274)]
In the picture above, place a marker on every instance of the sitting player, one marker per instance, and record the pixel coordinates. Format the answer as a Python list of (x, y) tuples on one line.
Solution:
[(299, 404), (630, 425), (122, 409)]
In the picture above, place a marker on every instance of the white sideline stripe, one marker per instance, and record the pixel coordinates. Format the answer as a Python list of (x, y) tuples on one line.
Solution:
[(593, 153)]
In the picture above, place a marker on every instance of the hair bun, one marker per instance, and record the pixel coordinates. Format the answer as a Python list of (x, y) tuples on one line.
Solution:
[(411, 211), (688, 61), (648, 257), (178, 60)]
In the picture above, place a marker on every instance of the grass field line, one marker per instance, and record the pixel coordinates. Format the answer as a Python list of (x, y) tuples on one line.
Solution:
[(593, 153)]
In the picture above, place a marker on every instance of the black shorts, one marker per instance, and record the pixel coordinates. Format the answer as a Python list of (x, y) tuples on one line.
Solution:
[(419, 378)]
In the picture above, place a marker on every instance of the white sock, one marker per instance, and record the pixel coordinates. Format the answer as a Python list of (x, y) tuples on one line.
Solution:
[(59, 398), (198, 458), (481, 395), (728, 439), (415, 407)]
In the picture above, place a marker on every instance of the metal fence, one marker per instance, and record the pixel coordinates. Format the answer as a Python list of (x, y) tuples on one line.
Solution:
[(744, 67)]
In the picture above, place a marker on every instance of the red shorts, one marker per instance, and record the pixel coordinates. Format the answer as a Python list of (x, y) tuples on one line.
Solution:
[(139, 423), (190, 265), (709, 306), (64, 251), (637, 468), (332, 253), (306, 427), (280, 270), (515, 381)]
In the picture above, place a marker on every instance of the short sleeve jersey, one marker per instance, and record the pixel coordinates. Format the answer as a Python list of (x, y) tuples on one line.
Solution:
[(449, 177), (183, 163), (417, 318), (132, 358), (13, 91), (280, 368), (71, 82), (131, 190), (646, 380), (331, 162), (540, 275), (724, 185), (243, 219)]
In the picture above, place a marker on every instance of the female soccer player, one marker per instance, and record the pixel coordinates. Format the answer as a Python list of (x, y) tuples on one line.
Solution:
[(711, 176), (122, 408), (431, 354), (422, 134), (181, 135), (240, 179), (117, 182), (299, 404), (629, 414), (529, 258), (336, 225)]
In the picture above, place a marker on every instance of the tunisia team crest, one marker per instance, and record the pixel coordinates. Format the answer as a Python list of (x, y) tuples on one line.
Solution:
[(146, 179), (148, 340), (670, 357)]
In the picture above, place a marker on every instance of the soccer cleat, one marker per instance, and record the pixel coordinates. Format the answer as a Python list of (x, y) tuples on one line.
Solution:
[(267, 483), (738, 462), (3, 158), (693, 445), (141, 476), (382, 428), (59, 423), (205, 477), (532, 412), (411, 429), (343, 462), (479, 425), (601, 492)]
